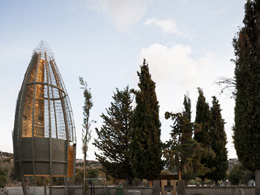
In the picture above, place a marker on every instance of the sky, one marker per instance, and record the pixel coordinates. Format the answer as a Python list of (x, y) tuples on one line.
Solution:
[(187, 44)]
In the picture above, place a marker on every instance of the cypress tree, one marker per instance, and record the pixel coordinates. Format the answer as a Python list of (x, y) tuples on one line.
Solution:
[(187, 132), (186, 168), (114, 137), (202, 120), (218, 143), (178, 148), (247, 75), (202, 130), (86, 131), (146, 147), (181, 150)]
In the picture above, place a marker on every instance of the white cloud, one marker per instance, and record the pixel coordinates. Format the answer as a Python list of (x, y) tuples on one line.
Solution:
[(167, 26), (124, 13), (175, 64), (176, 72)]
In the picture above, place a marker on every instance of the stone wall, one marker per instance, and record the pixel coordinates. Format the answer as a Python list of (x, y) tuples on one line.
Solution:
[(231, 190), (39, 190), (114, 191), (137, 191)]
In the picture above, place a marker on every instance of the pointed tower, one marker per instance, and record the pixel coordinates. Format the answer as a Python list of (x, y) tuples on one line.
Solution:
[(44, 137)]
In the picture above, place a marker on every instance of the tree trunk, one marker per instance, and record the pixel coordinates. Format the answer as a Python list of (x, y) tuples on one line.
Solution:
[(202, 181), (127, 182), (45, 192), (84, 175), (257, 182), (179, 173), (181, 187)]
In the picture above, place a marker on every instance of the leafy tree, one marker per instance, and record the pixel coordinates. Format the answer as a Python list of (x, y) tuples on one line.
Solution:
[(240, 175), (247, 115), (86, 131), (181, 150), (58, 181), (203, 120), (247, 176), (3, 177), (176, 151), (3, 181), (114, 137), (187, 128), (218, 143), (236, 174), (146, 146), (78, 176), (92, 173), (202, 130)]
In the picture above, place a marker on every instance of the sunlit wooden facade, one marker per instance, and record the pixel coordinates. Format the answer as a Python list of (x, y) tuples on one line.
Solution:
[(44, 136)]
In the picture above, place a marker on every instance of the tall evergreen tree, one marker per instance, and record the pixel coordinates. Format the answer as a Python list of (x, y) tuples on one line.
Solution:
[(181, 150), (187, 132), (86, 131), (247, 74), (202, 130), (114, 137), (218, 143), (177, 148), (146, 147), (202, 120)]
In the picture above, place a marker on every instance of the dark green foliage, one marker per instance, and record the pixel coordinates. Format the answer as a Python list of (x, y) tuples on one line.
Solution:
[(218, 143), (59, 181), (187, 127), (240, 175), (92, 173), (247, 74), (3, 174), (78, 176), (181, 150), (146, 146), (86, 131), (88, 104), (202, 130), (247, 176), (177, 149), (3, 181), (202, 120), (114, 137)]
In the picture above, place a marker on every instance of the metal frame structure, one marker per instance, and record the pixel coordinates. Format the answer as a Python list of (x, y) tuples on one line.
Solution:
[(44, 136)]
